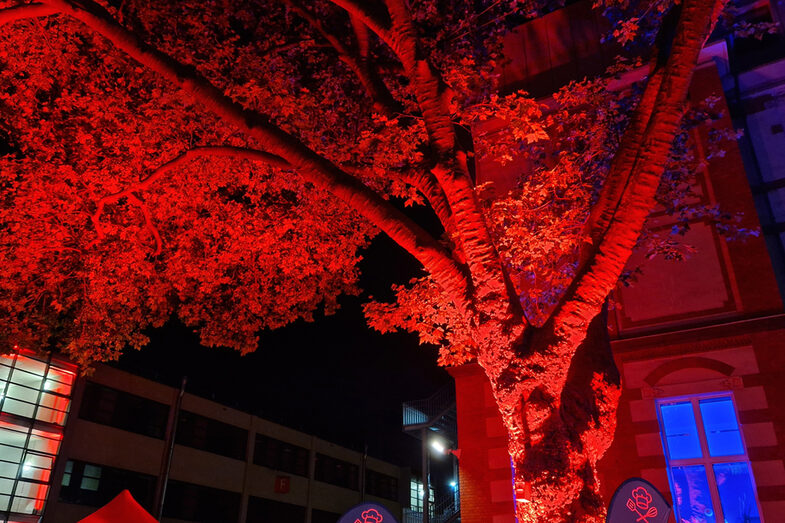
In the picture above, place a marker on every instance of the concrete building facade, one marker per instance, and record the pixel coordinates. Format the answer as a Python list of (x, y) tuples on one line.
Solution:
[(226, 465)]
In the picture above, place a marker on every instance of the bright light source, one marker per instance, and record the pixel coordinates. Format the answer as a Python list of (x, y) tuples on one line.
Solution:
[(453, 484), (438, 446)]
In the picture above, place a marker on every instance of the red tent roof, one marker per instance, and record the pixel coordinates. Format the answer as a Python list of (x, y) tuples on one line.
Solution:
[(122, 509)]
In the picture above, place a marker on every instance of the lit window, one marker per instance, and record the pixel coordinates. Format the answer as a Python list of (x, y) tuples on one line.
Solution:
[(415, 495), (710, 475), (90, 477), (31, 428)]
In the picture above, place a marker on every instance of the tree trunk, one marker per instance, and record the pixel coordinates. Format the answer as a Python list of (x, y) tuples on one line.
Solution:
[(555, 443)]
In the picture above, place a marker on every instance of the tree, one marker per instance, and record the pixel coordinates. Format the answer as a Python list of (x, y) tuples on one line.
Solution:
[(227, 163)]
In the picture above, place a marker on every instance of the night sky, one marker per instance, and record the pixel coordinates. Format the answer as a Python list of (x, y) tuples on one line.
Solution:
[(334, 378)]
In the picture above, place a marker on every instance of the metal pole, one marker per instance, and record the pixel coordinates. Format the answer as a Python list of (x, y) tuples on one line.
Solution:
[(455, 479), (363, 472), (166, 462), (425, 489)]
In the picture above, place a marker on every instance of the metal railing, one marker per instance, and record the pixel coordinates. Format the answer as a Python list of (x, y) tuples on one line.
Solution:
[(435, 409)]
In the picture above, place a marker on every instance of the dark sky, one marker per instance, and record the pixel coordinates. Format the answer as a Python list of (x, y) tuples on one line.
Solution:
[(334, 378)]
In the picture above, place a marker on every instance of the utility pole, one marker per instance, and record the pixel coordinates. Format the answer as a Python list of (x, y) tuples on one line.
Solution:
[(425, 488), (166, 462)]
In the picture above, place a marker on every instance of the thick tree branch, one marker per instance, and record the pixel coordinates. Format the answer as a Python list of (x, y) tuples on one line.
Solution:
[(376, 22), (24, 11), (383, 101), (452, 172), (586, 295), (148, 220), (183, 159), (313, 167), (428, 87), (621, 168), (361, 34), (429, 187)]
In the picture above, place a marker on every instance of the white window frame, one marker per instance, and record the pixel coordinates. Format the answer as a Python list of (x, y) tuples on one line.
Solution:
[(706, 459)]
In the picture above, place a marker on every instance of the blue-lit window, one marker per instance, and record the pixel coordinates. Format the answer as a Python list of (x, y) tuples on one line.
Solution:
[(710, 474)]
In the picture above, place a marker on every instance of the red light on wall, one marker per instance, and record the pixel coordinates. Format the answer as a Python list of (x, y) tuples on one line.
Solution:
[(282, 484)]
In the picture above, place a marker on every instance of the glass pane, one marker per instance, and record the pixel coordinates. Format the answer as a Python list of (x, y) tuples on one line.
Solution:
[(6, 485), (692, 500), (681, 433), (43, 444), (32, 365), (722, 429), (19, 408), (22, 393), (92, 471), (89, 484), (28, 379), (736, 493), (60, 376), (51, 416), (8, 470), (10, 453), (54, 402)]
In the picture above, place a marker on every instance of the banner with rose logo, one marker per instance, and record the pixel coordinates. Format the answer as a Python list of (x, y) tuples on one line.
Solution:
[(368, 513), (638, 501)]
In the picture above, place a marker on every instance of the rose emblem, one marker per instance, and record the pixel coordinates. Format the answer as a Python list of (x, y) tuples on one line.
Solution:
[(370, 516), (640, 502)]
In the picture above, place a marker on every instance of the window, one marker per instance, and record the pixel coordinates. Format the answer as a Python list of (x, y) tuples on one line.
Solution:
[(95, 485), (201, 504), (213, 436), (415, 495), (709, 472), (35, 395), (125, 411), (337, 472), (261, 510), (279, 455), (381, 485)]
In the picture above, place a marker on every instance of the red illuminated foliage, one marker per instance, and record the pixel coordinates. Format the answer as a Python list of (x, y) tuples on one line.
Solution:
[(227, 163)]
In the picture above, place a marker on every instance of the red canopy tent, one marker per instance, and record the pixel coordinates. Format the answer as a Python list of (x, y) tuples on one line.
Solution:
[(122, 509)]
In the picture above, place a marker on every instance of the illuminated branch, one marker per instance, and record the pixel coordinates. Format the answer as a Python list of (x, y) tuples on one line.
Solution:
[(378, 92), (186, 157), (590, 288), (621, 169), (430, 188), (361, 33), (376, 22), (148, 221), (24, 11), (451, 171)]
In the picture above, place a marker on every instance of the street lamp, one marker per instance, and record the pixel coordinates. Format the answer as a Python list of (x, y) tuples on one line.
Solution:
[(440, 446)]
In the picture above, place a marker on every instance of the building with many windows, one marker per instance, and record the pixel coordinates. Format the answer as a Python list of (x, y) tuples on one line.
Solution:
[(700, 343), (225, 466)]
